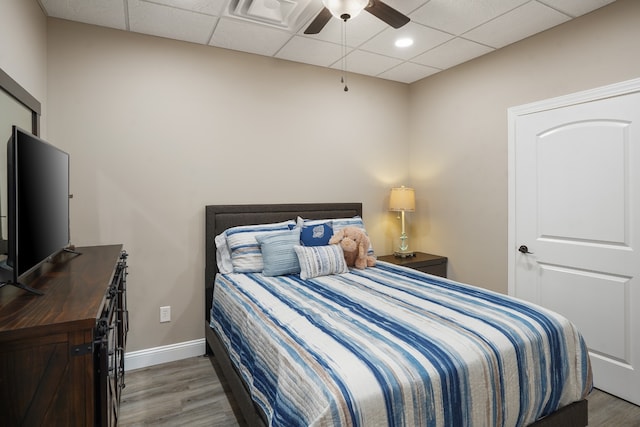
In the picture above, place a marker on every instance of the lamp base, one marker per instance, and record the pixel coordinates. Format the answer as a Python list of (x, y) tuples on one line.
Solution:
[(404, 254)]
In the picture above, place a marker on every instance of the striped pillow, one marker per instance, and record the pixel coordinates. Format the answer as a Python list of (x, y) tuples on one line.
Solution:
[(278, 255), (245, 250), (318, 261)]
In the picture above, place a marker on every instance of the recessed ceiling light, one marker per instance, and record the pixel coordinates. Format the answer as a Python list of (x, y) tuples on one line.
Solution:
[(404, 42)]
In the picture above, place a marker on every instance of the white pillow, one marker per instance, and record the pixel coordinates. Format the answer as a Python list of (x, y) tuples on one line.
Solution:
[(318, 261), (246, 256), (223, 255)]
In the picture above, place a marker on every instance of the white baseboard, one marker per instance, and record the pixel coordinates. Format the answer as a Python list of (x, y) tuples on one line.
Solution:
[(166, 353)]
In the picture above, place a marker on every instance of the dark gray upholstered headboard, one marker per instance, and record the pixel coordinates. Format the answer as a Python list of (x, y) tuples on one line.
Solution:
[(221, 217)]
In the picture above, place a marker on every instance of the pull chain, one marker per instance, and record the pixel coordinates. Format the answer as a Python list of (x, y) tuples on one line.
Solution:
[(344, 56)]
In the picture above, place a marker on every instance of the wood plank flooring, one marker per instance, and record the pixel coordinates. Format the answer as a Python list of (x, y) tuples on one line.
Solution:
[(183, 393), (189, 393)]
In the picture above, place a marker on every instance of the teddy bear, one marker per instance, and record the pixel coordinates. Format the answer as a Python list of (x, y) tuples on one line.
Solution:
[(355, 244)]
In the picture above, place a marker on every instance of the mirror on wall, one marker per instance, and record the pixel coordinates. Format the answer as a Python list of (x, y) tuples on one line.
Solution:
[(17, 107)]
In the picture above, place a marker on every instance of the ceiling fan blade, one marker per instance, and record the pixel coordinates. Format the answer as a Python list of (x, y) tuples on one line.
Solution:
[(386, 13), (319, 22)]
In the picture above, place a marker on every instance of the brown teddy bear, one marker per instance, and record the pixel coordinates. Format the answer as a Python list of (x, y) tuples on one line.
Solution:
[(355, 244)]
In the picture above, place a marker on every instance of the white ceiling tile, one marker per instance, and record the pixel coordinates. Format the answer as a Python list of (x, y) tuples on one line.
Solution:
[(576, 8), (367, 63), (405, 6), (408, 72), (315, 52), (209, 7), (452, 53), (459, 16), (164, 21), (105, 13), (247, 37), (516, 25), (435, 24), (424, 38)]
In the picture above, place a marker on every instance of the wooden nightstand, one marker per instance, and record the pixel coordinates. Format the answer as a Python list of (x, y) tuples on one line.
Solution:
[(427, 263)]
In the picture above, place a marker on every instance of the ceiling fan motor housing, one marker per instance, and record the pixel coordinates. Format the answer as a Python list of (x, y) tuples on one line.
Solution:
[(349, 9), (345, 9)]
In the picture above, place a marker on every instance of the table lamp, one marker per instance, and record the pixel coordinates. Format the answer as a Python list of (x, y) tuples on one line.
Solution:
[(402, 199)]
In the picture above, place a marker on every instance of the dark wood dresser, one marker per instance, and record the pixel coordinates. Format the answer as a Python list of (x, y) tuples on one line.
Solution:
[(62, 353), (427, 263)]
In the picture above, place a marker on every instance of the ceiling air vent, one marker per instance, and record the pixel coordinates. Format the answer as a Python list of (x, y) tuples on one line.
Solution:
[(285, 14)]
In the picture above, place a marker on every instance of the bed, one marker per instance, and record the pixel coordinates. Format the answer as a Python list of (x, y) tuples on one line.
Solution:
[(562, 406)]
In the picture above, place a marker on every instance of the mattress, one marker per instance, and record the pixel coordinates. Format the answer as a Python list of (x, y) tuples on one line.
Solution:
[(391, 346)]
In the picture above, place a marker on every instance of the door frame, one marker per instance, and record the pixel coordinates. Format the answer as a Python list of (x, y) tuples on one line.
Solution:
[(513, 113)]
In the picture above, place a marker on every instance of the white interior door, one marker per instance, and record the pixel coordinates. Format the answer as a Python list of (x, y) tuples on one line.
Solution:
[(575, 205)]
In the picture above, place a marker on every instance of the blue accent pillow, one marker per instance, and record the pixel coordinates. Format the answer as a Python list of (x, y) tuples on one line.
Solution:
[(278, 255), (338, 224), (316, 234)]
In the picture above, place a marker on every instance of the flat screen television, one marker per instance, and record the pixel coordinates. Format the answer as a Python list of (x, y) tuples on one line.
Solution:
[(37, 204)]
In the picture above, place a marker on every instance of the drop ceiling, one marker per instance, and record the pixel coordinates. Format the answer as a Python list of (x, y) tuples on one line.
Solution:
[(445, 33)]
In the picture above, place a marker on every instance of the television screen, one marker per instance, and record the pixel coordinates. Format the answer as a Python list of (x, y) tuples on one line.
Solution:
[(38, 201)]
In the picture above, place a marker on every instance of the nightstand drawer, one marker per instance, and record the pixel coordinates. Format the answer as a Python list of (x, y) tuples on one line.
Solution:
[(427, 263)]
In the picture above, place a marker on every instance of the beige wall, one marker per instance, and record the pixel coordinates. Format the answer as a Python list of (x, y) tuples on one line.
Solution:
[(157, 129), (23, 48), (458, 143)]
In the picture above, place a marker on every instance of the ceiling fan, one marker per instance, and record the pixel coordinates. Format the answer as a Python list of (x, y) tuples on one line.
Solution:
[(348, 9)]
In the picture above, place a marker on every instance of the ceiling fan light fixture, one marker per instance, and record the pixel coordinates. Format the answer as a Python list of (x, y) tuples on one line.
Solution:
[(345, 9)]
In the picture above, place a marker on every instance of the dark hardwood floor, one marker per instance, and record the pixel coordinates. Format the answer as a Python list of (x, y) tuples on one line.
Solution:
[(188, 392)]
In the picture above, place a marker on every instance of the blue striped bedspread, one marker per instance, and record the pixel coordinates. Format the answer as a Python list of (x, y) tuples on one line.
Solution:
[(390, 346)]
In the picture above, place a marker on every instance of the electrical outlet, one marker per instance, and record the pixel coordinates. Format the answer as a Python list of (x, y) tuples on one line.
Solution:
[(165, 314)]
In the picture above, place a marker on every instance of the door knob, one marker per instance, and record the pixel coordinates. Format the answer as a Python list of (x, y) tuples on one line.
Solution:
[(524, 249)]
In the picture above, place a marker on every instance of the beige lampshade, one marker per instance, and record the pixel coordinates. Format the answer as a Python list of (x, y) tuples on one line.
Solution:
[(402, 199)]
